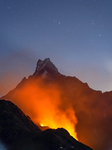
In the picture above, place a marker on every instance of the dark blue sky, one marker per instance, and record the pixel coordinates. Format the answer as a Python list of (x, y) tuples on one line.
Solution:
[(75, 34)]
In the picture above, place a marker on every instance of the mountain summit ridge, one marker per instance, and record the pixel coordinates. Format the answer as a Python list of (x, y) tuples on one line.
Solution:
[(45, 67)]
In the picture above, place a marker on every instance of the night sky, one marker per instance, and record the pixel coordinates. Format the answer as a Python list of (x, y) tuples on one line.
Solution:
[(75, 34)]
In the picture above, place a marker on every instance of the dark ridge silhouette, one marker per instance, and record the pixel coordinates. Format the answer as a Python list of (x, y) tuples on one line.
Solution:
[(18, 132)]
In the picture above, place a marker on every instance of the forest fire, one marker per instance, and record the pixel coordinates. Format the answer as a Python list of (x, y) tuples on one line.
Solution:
[(43, 105), (60, 121)]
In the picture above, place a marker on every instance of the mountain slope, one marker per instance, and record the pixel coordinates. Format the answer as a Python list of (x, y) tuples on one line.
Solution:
[(91, 108), (18, 132)]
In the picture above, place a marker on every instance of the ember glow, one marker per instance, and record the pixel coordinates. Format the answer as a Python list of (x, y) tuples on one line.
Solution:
[(43, 105)]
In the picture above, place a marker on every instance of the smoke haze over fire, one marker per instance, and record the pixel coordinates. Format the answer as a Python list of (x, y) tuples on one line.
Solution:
[(44, 106), (54, 100)]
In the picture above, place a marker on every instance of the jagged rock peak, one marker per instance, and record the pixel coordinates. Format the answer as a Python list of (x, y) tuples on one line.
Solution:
[(45, 66)]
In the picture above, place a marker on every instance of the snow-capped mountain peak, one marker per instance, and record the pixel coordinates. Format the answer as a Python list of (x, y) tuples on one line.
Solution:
[(45, 66)]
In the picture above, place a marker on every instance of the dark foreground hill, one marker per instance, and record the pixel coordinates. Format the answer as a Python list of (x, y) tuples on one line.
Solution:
[(93, 109), (18, 132)]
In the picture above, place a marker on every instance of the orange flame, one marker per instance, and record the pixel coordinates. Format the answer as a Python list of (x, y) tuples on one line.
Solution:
[(43, 105)]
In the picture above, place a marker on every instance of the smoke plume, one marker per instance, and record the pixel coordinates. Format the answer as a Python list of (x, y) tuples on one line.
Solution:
[(43, 104)]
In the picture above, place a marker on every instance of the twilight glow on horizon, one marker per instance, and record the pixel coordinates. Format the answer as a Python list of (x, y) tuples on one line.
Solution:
[(75, 34)]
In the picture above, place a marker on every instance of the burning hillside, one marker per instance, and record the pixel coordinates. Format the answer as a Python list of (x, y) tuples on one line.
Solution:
[(43, 104), (18, 132)]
